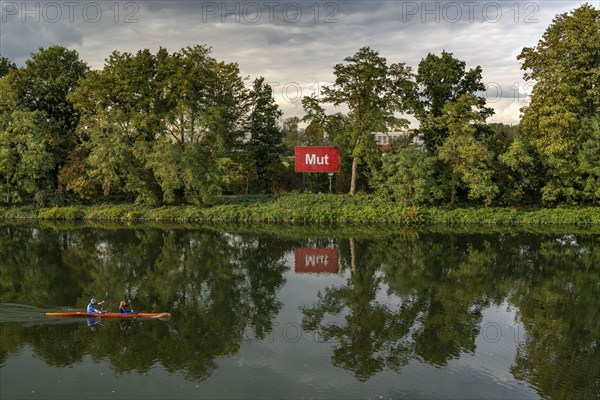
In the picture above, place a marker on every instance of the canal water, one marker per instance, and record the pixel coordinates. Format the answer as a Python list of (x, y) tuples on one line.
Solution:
[(298, 312)]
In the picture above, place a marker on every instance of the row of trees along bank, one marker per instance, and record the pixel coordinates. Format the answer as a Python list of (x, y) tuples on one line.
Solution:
[(182, 127)]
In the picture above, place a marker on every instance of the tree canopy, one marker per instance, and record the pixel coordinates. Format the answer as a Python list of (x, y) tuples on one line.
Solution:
[(184, 127), (562, 117)]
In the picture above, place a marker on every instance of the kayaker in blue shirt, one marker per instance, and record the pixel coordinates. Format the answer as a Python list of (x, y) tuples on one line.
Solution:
[(91, 308)]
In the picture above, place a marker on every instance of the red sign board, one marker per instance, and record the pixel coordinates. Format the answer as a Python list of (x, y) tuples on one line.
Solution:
[(317, 159), (316, 260)]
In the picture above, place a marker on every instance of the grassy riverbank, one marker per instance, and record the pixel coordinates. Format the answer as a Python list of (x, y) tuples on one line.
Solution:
[(310, 209)]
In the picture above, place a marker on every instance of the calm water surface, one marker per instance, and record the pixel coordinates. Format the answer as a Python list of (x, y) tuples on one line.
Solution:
[(300, 313)]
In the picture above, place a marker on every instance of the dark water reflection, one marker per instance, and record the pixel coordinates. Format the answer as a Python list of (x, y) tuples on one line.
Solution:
[(400, 299)]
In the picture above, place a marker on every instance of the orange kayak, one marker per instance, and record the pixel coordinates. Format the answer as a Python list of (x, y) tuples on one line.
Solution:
[(108, 315)]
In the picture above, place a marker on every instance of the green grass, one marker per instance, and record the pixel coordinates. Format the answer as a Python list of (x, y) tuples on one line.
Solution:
[(322, 209)]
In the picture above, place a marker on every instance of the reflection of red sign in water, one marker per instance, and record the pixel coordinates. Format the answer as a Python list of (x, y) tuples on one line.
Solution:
[(317, 159), (316, 260)]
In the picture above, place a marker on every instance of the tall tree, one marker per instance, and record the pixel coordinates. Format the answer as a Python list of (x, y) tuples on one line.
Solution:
[(565, 66), (293, 134), (266, 139), (441, 79), (48, 77), (119, 123), (26, 164), (369, 88), (467, 158)]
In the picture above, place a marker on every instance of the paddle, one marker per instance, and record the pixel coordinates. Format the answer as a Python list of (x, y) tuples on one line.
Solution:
[(104, 301), (128, 299)]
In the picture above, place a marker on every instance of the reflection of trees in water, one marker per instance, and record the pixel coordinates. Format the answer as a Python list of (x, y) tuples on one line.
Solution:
[(221, 285), (442, 284), (435, 320), (218, 286), (558, 305)]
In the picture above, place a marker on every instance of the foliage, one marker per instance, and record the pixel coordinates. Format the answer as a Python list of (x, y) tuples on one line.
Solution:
[(439, 80), (566, 70), (162, 128), (265, 146), (468, 159), (409, 176), (182, 128), (44, 84), (516, 168), (369, 88), (6, 66), (27, 162), (324, 209)]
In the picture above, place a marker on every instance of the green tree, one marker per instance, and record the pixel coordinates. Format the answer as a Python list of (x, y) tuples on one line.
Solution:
[(266, 139), (442, 79), (409, 175), (27, 163), (6, 66), (119, 122), (44, 84), (467, 158), (516, 170), (589, 159), (204, 106), (369, 88), (315, 133), (293, 134), (565, 66)]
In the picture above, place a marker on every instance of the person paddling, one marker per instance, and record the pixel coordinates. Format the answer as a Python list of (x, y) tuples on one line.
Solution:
[(123, 307), (91, 308)]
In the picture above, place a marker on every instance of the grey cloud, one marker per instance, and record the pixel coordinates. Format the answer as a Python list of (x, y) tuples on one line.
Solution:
[(302, 52)]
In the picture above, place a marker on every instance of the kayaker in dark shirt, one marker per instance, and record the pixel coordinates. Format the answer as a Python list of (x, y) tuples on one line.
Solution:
[(91, 308), (123, 307)]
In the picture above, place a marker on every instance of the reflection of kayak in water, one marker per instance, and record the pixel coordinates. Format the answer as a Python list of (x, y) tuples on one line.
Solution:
[(126, 315)]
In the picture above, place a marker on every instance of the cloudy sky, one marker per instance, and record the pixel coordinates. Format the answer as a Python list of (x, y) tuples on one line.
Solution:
[(295, 44)]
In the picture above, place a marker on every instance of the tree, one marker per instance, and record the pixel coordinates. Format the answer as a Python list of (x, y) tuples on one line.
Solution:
[(266, 139), (369, 88), (27, 163), (467, 158), (315, 133), (119, 122), (565, 66), (442, 79), (8, 104), (409, 176), (589, 159), (516, 168), (293, 134), (44, 84), (204, 105), (6, 66)]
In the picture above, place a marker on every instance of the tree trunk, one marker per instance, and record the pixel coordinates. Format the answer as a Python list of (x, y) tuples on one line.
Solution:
[(352, 256), (353, 178)]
